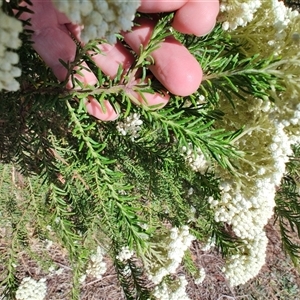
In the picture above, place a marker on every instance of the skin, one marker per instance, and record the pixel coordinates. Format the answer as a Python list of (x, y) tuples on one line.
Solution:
[(174, 66), (166, 68), (156, 6), (188, 17)]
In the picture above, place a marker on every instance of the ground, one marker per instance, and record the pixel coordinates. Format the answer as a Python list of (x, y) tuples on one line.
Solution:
[(278, 279)]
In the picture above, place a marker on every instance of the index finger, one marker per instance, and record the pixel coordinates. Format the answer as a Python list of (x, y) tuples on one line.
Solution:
[(156, 6), (196, 17)]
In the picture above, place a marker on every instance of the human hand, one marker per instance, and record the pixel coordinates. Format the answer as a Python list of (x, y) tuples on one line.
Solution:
[(174, 66)]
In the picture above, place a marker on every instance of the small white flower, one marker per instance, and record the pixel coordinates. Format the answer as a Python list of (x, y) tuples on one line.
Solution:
[(48, 244), (196, 161), (201, 276), (131, 125), (30, 289), (125, 254), (82, 278), (210, 244), (59, 271), (237, 13), (96, 267), (179, 241), (175, 291)]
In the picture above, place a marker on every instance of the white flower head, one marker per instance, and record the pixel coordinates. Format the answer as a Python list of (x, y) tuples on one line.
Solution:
[(125, 254), (10, 29), (97, 266), (235, 13), (197, 161), (100, 18), (174, 291), (178, 241), (201, 276), (32, 289), (131, 126)]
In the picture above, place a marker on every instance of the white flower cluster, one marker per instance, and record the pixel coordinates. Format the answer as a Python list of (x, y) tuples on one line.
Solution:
[(97, 266), (197, 161), (247, 201), (282, 17), (201, 276), (287, 113), (101, 18), (30, 289), (9, 39), (177, 243), (55, 271), (294, 125), (247, 214), (131, 125), (274, 29), (165, 292), (242, 267), (234, 13), (125, 254), (285, 24)]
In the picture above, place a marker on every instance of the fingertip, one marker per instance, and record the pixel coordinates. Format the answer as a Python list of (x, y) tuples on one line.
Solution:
[(94, 108), (111, 57), (154, 6), (84, 75), (75, 31), (196, 17), (154, 101), (188, 81), (176, 68), (140, 34)]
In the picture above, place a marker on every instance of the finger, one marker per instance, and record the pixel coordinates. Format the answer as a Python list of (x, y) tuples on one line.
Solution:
[(51, 40), (94, 108), (176, 68), (196, 17), (111, 57), (154, 100), (53, 44), (154, 6), (109, 61), (84, 75), (75, 30), (173, 65)]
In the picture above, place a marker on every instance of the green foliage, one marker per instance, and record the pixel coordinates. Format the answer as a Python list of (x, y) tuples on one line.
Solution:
[(132, 280), (19, 199), (227, 71), (189, 264), (287, 209)]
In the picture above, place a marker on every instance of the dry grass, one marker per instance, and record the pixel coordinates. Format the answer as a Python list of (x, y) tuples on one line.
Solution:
[(278, 279)]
